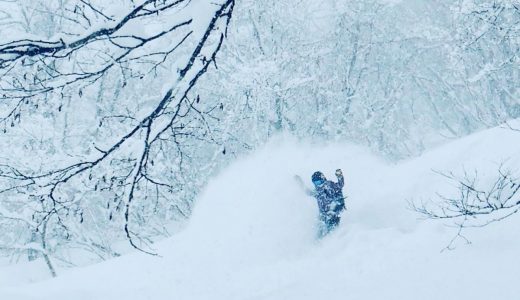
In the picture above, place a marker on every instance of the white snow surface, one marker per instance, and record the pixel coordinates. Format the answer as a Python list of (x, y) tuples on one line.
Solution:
[(252, 235)]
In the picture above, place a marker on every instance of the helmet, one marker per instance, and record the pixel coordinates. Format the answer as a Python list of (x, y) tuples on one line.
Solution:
[(318, 178)]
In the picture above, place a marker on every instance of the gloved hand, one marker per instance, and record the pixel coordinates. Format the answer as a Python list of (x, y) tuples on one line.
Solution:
[(339, 173)]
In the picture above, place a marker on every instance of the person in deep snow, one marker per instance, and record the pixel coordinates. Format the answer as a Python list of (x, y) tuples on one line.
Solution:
[(329, 196)]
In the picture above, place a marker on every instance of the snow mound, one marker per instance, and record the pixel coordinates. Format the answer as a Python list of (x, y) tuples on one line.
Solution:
[(252, 234)]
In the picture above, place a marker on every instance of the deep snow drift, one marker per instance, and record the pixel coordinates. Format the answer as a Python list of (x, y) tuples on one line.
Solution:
[(252, 235)]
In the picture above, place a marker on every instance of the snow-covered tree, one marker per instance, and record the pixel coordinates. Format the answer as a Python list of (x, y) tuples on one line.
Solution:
[(98, 110), (112, 129), (394, 75)]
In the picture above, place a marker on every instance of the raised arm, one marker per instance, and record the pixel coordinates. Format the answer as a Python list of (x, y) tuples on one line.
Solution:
[(341, 179)]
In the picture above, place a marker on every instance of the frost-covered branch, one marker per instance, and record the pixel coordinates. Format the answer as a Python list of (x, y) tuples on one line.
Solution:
[(30, 67), (129, 166)]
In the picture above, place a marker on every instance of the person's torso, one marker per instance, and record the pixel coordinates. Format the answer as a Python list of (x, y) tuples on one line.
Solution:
[(330, 198)]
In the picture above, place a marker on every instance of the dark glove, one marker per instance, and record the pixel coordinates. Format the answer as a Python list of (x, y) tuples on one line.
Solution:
[(339, 173)]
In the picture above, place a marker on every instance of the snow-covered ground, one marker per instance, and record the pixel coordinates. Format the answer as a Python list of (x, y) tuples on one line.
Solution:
[(252, 235)]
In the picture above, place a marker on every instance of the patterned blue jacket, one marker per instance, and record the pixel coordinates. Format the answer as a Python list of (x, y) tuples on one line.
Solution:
[(330, 197)]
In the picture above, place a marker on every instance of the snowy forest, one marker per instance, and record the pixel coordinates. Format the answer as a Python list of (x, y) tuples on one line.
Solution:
[(121, 120)]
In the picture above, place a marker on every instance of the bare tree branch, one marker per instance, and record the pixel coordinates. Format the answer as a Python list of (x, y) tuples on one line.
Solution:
[(475, 205), (164, 124)]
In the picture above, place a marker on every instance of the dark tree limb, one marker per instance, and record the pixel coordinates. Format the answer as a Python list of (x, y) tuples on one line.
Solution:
[(163, 123), (475, 204)]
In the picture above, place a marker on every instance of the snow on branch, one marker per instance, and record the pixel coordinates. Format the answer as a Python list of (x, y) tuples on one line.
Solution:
[(124, 166), (31, 67)]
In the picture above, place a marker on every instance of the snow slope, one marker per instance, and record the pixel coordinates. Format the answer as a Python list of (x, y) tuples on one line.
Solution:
[(252, 235)]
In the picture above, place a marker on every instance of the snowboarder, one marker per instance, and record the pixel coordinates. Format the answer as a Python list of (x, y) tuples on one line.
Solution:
[(329, 196)]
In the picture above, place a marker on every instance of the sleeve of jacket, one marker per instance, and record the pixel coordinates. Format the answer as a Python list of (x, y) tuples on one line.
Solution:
[(341, 181)]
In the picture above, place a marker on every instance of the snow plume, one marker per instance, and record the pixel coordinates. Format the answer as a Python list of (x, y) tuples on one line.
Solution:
[(255, 209), (252, 235)]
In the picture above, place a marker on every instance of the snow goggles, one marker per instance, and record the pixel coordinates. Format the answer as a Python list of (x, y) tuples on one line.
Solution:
[(318, 182)]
